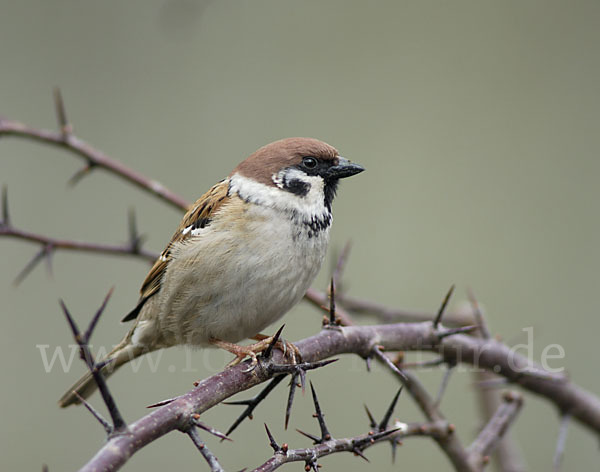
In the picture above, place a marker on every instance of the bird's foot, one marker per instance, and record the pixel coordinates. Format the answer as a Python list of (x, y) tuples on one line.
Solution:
[(240, 352), (289, 349)]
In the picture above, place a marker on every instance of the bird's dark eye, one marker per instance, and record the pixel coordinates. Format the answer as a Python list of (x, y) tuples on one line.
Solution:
[(309, 162)]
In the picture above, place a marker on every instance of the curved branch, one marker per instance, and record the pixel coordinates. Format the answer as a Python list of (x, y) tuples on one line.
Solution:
[(82, 246), (386, 314), (310, 455), (93, 158), (360, 340), (132, 248)]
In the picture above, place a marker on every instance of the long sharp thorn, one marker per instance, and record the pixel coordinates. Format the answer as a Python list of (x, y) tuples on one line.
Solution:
[(162, 402), (443, 385), (478, 314), (316, 365), (295, 368), (105, 424), (288, 409), (61, 114), (135, 240), (209, 429), (132, 229), (238, 402), (94, 322), (313, 438), (71, 321), (383, 434), (370, 438), (459, 330), (390, 364), (100, 365), (325, 436), (561, 441), (394, 445), (266, 354), (118, 422), (332, 302), (358, 452), (388, 414), (272, 441), (341, 262), (253, 402), (84, 353), (372, 422), (442, 309), (30, 266), (236, 423), (48, 258), (79, 174), (5, 214)]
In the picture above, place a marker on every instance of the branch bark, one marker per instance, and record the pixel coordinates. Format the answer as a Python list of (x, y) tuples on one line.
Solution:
[(93, 158), (360, 340)]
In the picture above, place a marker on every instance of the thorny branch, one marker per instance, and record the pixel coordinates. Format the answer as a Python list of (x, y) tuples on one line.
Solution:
[(49, 245), (489, 436), (450, 444), (310, 455), (358, 340), (92, 157), (118, 424), (424, 333), (209, 457), (359, 306)]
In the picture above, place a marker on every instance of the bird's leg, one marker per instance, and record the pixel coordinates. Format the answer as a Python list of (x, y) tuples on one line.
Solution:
[(240, 352), (289, 350)]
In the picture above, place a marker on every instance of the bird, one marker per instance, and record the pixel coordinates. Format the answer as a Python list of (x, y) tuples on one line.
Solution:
[(243, 255)]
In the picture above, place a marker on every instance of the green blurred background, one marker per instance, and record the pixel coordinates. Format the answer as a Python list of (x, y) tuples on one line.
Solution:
[(478, 123)]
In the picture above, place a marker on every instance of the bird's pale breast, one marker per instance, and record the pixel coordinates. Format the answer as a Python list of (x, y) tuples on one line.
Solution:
[(244, 272)]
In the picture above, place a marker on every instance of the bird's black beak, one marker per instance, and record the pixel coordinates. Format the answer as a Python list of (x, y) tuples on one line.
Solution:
[(343, 169)]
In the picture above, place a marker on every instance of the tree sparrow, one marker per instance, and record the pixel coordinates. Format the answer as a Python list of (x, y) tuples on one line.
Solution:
[(243, 255)]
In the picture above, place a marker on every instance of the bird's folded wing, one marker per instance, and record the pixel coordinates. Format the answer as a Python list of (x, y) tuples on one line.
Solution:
[(198, 216)]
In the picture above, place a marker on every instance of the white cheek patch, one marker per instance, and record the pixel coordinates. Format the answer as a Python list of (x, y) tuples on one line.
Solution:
[(285, 176), (278, 179), (309, 205), (315, 183)]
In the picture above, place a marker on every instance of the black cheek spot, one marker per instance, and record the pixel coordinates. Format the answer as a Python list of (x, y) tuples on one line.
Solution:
[(297, 187)]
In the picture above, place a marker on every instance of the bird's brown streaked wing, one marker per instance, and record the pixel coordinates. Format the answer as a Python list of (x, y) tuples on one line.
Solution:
[(198, 216)]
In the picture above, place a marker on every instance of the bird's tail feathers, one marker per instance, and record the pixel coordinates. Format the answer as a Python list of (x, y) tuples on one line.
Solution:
[(86, 385)]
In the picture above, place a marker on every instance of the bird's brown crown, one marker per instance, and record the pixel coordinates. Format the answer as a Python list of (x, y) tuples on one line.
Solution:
[(273, 157)]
